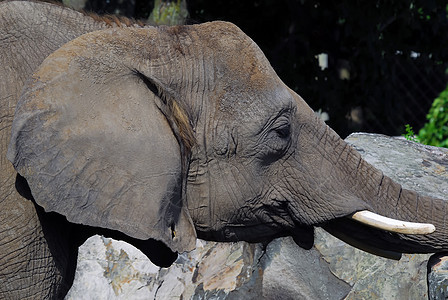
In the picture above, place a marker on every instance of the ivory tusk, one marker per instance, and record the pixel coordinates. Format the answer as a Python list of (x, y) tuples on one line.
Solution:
[(393, 225)]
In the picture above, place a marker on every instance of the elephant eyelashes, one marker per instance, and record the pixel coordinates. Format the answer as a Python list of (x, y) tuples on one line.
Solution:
[(280, 139), (281, 126)]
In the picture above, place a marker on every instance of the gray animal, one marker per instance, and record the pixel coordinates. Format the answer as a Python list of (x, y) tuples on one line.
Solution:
[(170, 133)]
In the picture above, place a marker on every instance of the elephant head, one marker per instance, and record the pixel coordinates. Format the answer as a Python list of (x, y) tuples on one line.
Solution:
[(174, 132)]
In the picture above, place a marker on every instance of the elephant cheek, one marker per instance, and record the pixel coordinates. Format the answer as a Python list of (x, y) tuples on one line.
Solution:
[(198, 200), (222, 195)]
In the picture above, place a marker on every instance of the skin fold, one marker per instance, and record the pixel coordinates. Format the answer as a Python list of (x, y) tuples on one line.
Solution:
[(169, 133), (37, 259)]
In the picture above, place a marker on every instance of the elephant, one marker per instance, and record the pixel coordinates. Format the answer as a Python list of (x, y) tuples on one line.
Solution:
[(37, 248), (169, 134)]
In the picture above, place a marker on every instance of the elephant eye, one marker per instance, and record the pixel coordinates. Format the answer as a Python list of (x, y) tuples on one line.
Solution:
[(275, 137), (283, 131), (279, 138)]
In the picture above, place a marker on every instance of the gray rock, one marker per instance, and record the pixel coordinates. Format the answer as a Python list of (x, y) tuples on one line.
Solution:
[(414, 166), (374, 277), (290, 272), (109, 269), (438, 276)]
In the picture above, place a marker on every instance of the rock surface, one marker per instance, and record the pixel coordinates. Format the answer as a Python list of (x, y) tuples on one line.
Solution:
[(109, 269), (438, 276)]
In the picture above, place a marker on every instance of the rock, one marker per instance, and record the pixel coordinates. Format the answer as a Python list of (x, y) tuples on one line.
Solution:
[(438, 276), (416, 167), (109, 269), (290, 272), (371, 276)]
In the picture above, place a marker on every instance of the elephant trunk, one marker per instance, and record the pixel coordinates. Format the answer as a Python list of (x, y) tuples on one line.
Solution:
[(390, 199), (350, 184)]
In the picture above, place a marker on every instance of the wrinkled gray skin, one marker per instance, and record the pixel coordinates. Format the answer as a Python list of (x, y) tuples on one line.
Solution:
[(103, 130), (29, 32)]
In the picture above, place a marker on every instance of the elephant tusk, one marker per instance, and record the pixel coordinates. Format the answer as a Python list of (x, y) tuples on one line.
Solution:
[(393, 225)]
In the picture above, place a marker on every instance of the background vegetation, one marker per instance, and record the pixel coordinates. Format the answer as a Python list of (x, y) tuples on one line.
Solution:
[(386, 59), (435, 131)]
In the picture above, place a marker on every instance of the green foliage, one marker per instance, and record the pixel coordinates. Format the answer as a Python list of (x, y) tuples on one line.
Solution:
[(410, 134), (435, 131), (167, 12)]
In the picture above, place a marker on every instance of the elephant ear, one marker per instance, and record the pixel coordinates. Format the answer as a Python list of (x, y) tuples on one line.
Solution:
[(95, 141)]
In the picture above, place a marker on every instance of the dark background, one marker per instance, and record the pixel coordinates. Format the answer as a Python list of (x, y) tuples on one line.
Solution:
[(395, 53)]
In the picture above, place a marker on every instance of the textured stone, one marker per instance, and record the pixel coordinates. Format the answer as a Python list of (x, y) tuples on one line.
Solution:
[(416, 167), (291, 272), (438, 276), (109, 269), (371, 276)]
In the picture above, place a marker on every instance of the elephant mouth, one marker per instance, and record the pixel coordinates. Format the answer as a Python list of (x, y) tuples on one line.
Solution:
[(384, 223)]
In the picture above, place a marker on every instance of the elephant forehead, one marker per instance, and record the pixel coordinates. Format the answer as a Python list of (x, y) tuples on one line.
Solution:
[(253, 104), (244, 65), (236, 58)]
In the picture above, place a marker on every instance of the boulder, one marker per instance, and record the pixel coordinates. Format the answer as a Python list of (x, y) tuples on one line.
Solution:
[(438, 276), (110, 269)]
